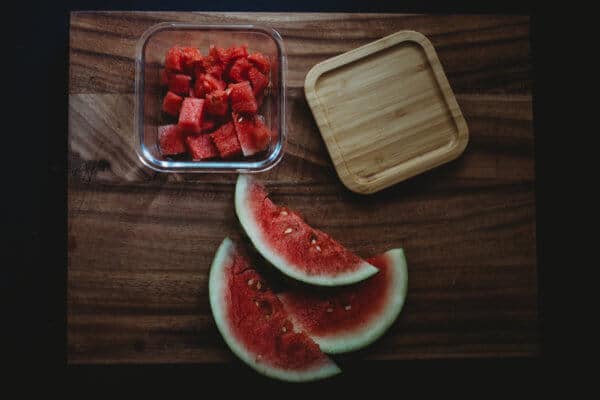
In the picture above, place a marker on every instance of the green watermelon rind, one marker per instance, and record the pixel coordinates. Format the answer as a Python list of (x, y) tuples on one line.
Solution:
[(364, 270), (367, 334), (216, 291)]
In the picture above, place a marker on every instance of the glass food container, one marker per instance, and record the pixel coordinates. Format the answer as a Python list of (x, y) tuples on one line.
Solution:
[(150, 55)]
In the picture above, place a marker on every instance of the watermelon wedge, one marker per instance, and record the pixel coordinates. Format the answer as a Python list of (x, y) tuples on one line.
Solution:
[(291, 245), (348, 318), (254, 324)]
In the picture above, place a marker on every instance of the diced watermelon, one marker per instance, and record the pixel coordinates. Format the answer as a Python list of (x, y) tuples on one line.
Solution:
[(252, 133), (173, 59), (217, 103), (172, 104), (165, 75), (238, 52), (209, 83), (208, 124), (242, 98), (239, 70), (258, 80), (212, 65), (199, 88), (190, 56), (228, 56), (170, 140), (190, 116), (201, 147), (226, 141), (180, 84), (261, 62)]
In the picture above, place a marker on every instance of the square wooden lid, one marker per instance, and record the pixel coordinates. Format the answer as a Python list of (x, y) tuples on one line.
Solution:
[(386, 111)]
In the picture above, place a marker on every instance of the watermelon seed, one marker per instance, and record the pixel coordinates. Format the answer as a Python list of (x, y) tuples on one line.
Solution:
[(240, 119), (258, 285), (330, 310), (347, 308), (313, 241), (283, 329), (256, 302), (283, 212), (288, 230), (318, 248), (250, 282)]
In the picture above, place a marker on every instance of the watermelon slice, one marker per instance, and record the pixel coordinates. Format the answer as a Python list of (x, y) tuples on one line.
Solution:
[(170, 140), (348, 318), (291, 245), (252, 133), (254, 324), (242, 98)]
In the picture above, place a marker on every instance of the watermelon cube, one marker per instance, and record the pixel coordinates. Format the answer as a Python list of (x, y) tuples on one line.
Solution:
[(239, 70), (172, 104), (252, 133), (226, 141), (190, 56), (208, 125), (261, 62), (201, 147), (190, 115), (242, 98), (165, 75), (180, 84), (174, 59), (206, 83), (238, 52), (170, 140), (258, 80), (217, 103), (212, 65)]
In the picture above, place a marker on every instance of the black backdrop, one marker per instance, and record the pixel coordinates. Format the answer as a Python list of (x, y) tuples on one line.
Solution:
[(34, 221)]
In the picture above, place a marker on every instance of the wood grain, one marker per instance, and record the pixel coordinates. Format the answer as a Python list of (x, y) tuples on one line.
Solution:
[(140, 243), (386, 111)]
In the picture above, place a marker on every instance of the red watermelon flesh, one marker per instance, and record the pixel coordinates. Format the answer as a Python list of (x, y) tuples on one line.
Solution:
[(239, 70), (347, 318), (226, 141), (258, 80), (254, 323), (242, 98), (217, 103), (290, 244), (212, 65), (170, 140), (174, 59), (190, 56), (172, 104), (260, 61), (201, 147), (164, 77), (180, 84), (252, 133), (190, 116)]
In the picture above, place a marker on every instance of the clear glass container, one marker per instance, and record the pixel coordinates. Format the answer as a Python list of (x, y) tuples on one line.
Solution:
[(150, 54)]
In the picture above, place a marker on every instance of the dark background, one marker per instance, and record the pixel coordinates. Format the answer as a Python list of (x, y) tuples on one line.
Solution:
[(35, 222)]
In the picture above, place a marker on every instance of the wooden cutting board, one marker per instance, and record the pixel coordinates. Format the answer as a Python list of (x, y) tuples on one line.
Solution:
[(140, 243)]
